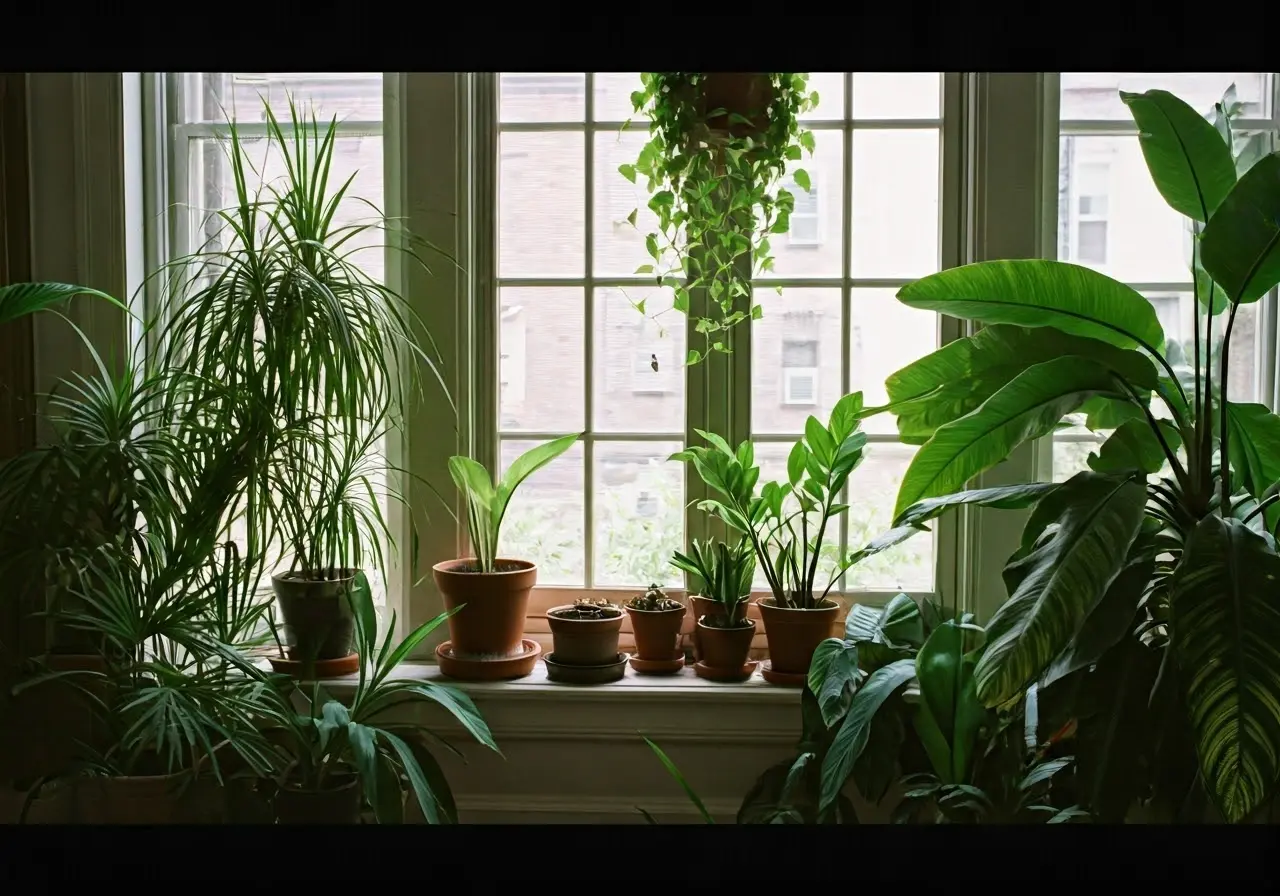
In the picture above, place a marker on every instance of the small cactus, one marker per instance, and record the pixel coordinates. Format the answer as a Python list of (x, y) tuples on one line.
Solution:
[(654, 599)]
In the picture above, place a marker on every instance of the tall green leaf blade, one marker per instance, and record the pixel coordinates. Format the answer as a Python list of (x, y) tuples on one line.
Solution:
[(1226, 621), (1240, 248), (680, 779), (1190, 163), (852, 735), (1059, 581), (947, 689), (1253, 445), (833, 674), (1039, 293), (20, 299), (1001, 497), (1134, 446), (1027, 408)]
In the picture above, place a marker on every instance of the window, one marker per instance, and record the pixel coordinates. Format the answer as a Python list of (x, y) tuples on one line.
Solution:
[(511, 357), (1112, 218), (806, 220), (800, 371), (201, 180)]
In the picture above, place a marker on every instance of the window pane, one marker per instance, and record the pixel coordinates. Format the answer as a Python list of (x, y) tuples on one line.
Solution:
[(1072, 457), (612, 97), (830, 89), (542, 96), (541, 201), (540, 359), (896, 179), (638, 379), (639, 513), (618, 246), (799, 325), (1095, 95), (544, 522), (885, 336), (1175, 313), (1124, 228), (897, 95), (814, 245), (350, 96), (873, 489)]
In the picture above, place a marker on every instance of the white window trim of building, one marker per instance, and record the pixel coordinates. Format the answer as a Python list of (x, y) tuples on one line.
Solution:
[(1081, 218), (792, 375), (807, 213), (90, 138)]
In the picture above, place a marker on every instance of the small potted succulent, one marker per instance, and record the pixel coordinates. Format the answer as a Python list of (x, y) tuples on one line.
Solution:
[(724, 573), (488, 595), (585, 640), (656, 620), (718, 148)]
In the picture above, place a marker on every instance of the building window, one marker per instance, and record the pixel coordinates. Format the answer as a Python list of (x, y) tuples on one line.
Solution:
[(1091, 212), (806, 220), (800, 372), (511, 356)]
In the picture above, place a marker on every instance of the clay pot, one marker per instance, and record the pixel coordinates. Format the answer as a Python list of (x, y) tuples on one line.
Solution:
[(705, 606), (657, 632), (318, 624), (53, 804), (726, 649), (340, 803), (147, 799), (793, 635), (491, 623), (583, 642)]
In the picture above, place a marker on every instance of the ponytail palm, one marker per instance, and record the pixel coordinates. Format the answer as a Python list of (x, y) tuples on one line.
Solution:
[(1170, 537)]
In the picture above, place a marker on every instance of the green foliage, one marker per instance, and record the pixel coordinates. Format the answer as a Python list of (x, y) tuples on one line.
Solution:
[(722, 573), (1169, 542), (488, 498), (712, 174)]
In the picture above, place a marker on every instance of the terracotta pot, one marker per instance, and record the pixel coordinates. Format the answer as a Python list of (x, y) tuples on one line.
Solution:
[(491, 623), (726, 648), (583, 642), (318, 624), (339, 803), (54, 804), (657, 632), (793, 635), (145, 799), (705, 606)]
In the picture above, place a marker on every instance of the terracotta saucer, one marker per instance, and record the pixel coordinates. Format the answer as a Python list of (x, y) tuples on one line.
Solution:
[(659, 667), (786, 679), (336, 668), (569, 674), (725, 675), (463, 669)]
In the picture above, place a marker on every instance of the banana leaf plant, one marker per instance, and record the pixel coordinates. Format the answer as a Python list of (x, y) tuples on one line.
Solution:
[(330, 737), (1169, 538), (787, 522)]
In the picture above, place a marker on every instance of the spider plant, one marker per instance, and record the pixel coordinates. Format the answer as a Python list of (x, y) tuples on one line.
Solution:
[(21, 299)]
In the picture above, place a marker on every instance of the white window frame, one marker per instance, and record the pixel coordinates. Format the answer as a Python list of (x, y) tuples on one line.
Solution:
[(1079, 219)]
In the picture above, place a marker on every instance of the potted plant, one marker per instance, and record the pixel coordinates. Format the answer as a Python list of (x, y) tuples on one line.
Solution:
[(488, 595), (1143, 590), (656, 620), (585, 637), (723, 573), (337, 756), (719, 143), (323, 358), (786, 524)]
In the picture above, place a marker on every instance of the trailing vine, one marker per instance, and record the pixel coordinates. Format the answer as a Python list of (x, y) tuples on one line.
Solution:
[(713, 176)]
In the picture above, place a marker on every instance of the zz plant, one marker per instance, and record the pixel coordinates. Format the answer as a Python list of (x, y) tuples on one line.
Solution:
[(713, 174), (1155, 570)]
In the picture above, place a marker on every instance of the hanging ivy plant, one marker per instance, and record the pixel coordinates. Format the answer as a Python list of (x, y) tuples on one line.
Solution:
[(718, 148)]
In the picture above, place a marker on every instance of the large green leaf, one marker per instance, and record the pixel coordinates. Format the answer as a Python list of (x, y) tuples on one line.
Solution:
[(1027, 408), (1189, 161), (1039, 293), (1000, 497), (1241, 244), (1134, 446), (1253, 445), (1059, 580), (948, 702), (833, 674), (852, 736), (1226, 623)]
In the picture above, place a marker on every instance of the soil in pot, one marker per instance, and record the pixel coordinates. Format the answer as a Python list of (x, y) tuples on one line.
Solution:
[(490, 625), (793, 635), (318, 624), (585, 633), (726, 649), (338, 803)]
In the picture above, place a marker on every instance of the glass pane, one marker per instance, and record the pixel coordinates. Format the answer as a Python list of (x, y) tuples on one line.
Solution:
[(795, 358), (873, 490), (885, 336), (830, 89), (612, 96), (540, 348), (1175, 313), (544, 522), (771, 458), (1095, 95), (1111, 217), (541, 205), (897, 95), (618, 245), (813, 246), (1071, 457), (638, 379), (542, 96), (896, 179), (349, 96), (639, 513)]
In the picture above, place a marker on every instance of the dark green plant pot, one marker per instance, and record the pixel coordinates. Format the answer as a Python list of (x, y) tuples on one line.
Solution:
[(318, 624), (339, 803)]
